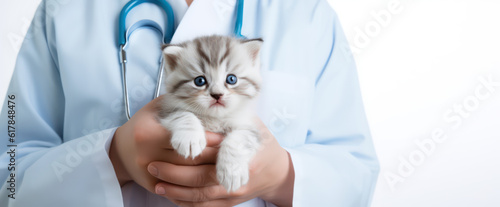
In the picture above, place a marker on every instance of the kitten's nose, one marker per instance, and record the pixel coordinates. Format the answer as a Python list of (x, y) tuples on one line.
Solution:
[(216, 96)]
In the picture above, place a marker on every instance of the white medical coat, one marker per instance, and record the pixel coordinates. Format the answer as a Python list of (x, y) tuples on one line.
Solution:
[(68, 102)]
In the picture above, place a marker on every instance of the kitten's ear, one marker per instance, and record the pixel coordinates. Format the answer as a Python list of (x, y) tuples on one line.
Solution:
[(253, 46), (171, 55)]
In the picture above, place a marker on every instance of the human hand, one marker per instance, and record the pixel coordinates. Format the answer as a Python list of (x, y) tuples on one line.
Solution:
[(142, 140), (195, 183)]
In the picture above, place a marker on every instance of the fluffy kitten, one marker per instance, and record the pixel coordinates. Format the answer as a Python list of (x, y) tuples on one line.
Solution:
[(210, 83)]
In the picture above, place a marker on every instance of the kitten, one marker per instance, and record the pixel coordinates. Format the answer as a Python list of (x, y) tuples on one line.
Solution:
[(211, 83)]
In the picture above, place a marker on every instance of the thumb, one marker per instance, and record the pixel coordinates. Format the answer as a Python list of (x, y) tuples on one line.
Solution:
[(213, 139)]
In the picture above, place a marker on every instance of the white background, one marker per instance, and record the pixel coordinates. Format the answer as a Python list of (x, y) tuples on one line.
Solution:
[(415, 65)]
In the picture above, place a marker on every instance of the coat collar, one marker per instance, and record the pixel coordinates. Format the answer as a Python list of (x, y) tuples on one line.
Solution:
[(208, 17)]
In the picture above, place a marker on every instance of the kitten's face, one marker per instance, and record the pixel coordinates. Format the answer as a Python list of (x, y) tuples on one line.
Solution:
[(213, 75)]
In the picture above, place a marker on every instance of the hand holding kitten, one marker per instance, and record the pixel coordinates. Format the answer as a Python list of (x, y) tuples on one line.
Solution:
[(271, 178), (143, 145), (210, 82)]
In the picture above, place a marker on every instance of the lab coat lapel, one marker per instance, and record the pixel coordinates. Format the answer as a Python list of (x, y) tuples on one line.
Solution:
[(207, 17)]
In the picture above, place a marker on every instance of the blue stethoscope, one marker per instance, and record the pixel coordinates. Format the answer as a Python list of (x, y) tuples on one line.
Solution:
[(124, 34)]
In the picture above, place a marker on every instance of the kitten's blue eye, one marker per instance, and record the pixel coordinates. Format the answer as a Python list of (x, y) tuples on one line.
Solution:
[(231, 79), (200, 81)]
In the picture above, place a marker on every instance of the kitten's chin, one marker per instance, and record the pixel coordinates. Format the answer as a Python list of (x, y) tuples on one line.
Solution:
[(217, 111), (224, 108), (217, 105)]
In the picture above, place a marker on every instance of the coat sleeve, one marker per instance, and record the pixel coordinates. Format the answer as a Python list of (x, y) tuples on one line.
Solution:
[(337, 165), (38, 168)]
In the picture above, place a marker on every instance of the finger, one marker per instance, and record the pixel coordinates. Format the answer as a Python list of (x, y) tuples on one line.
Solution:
[(189, 194), (149, 131), (208, 156), (190, 176), (218, 202), (213, 139)]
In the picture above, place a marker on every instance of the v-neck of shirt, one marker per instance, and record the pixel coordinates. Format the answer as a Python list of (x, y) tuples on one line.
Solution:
[(180, 7), (207, 17)]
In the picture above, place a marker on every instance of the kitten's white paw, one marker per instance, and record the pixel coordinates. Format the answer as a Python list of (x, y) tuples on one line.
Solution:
[(232, 175), (189, 143)]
